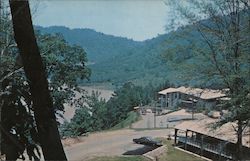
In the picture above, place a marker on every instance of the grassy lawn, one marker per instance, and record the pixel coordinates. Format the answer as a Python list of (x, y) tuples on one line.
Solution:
[(132, 117), (120, 158), (173, 154)]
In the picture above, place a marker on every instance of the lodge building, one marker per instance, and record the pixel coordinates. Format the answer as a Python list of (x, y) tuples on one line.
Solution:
[(188, 97)]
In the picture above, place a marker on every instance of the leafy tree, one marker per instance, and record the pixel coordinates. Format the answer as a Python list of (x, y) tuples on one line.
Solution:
[(98, 110), (222, 54), (65, 66), (87, 118), (35, 72), (80, 123), (123, 102)]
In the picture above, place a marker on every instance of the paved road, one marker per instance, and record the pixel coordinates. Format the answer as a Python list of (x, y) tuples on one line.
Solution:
[(109, 143)]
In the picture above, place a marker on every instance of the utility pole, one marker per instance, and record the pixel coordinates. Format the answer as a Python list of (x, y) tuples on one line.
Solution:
[(155, 116), (192, 110)]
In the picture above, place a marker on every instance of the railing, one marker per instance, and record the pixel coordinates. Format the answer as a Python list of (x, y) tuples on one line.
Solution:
[(217, 149)]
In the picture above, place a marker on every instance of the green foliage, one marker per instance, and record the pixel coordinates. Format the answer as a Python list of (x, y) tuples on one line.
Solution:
[(129, 61), (102, 47), (116, 113), (123, 102), (80, 124), (131, 118), (65, 66), (87, 118), (141, 62), (98, 111), (222, 53)]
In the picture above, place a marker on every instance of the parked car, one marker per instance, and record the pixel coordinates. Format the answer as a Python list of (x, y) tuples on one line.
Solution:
[(146, 140), (173, 119)]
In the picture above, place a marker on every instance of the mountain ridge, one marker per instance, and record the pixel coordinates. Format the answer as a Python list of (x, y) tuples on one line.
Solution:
[(119, 60)]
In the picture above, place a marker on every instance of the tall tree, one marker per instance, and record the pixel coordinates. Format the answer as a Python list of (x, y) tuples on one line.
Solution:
[(37, 79), (65, 66), (223, 27)]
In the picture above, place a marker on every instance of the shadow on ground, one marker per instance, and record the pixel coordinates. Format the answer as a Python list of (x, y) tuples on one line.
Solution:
[(140, 151)]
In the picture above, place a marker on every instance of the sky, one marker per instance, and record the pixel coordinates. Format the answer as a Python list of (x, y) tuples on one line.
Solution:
[(135, 19)]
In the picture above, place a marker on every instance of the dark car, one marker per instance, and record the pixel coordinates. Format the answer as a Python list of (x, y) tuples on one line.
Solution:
[(147, 141)]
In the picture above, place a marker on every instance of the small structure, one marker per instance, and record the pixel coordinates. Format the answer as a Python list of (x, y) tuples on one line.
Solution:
[(188, 97), (137, 108), (219, 144)]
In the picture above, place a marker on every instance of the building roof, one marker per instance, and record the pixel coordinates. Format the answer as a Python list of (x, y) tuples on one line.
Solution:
[(197, 92), (225, 132), (137, 107), (169, 90)]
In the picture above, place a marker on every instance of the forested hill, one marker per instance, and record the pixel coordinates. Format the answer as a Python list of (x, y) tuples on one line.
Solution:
[(99, 47), (119, 60)]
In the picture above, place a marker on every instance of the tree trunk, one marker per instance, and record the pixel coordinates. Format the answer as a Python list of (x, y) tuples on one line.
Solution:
[(35, 72), (239, 141), (0, 128), (0, 87)]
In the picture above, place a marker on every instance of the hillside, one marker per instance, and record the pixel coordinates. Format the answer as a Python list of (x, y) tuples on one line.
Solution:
[(99, 46), (118, 60)]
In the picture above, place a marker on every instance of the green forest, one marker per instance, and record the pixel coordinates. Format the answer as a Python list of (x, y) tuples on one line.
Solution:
[(119, 60)]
